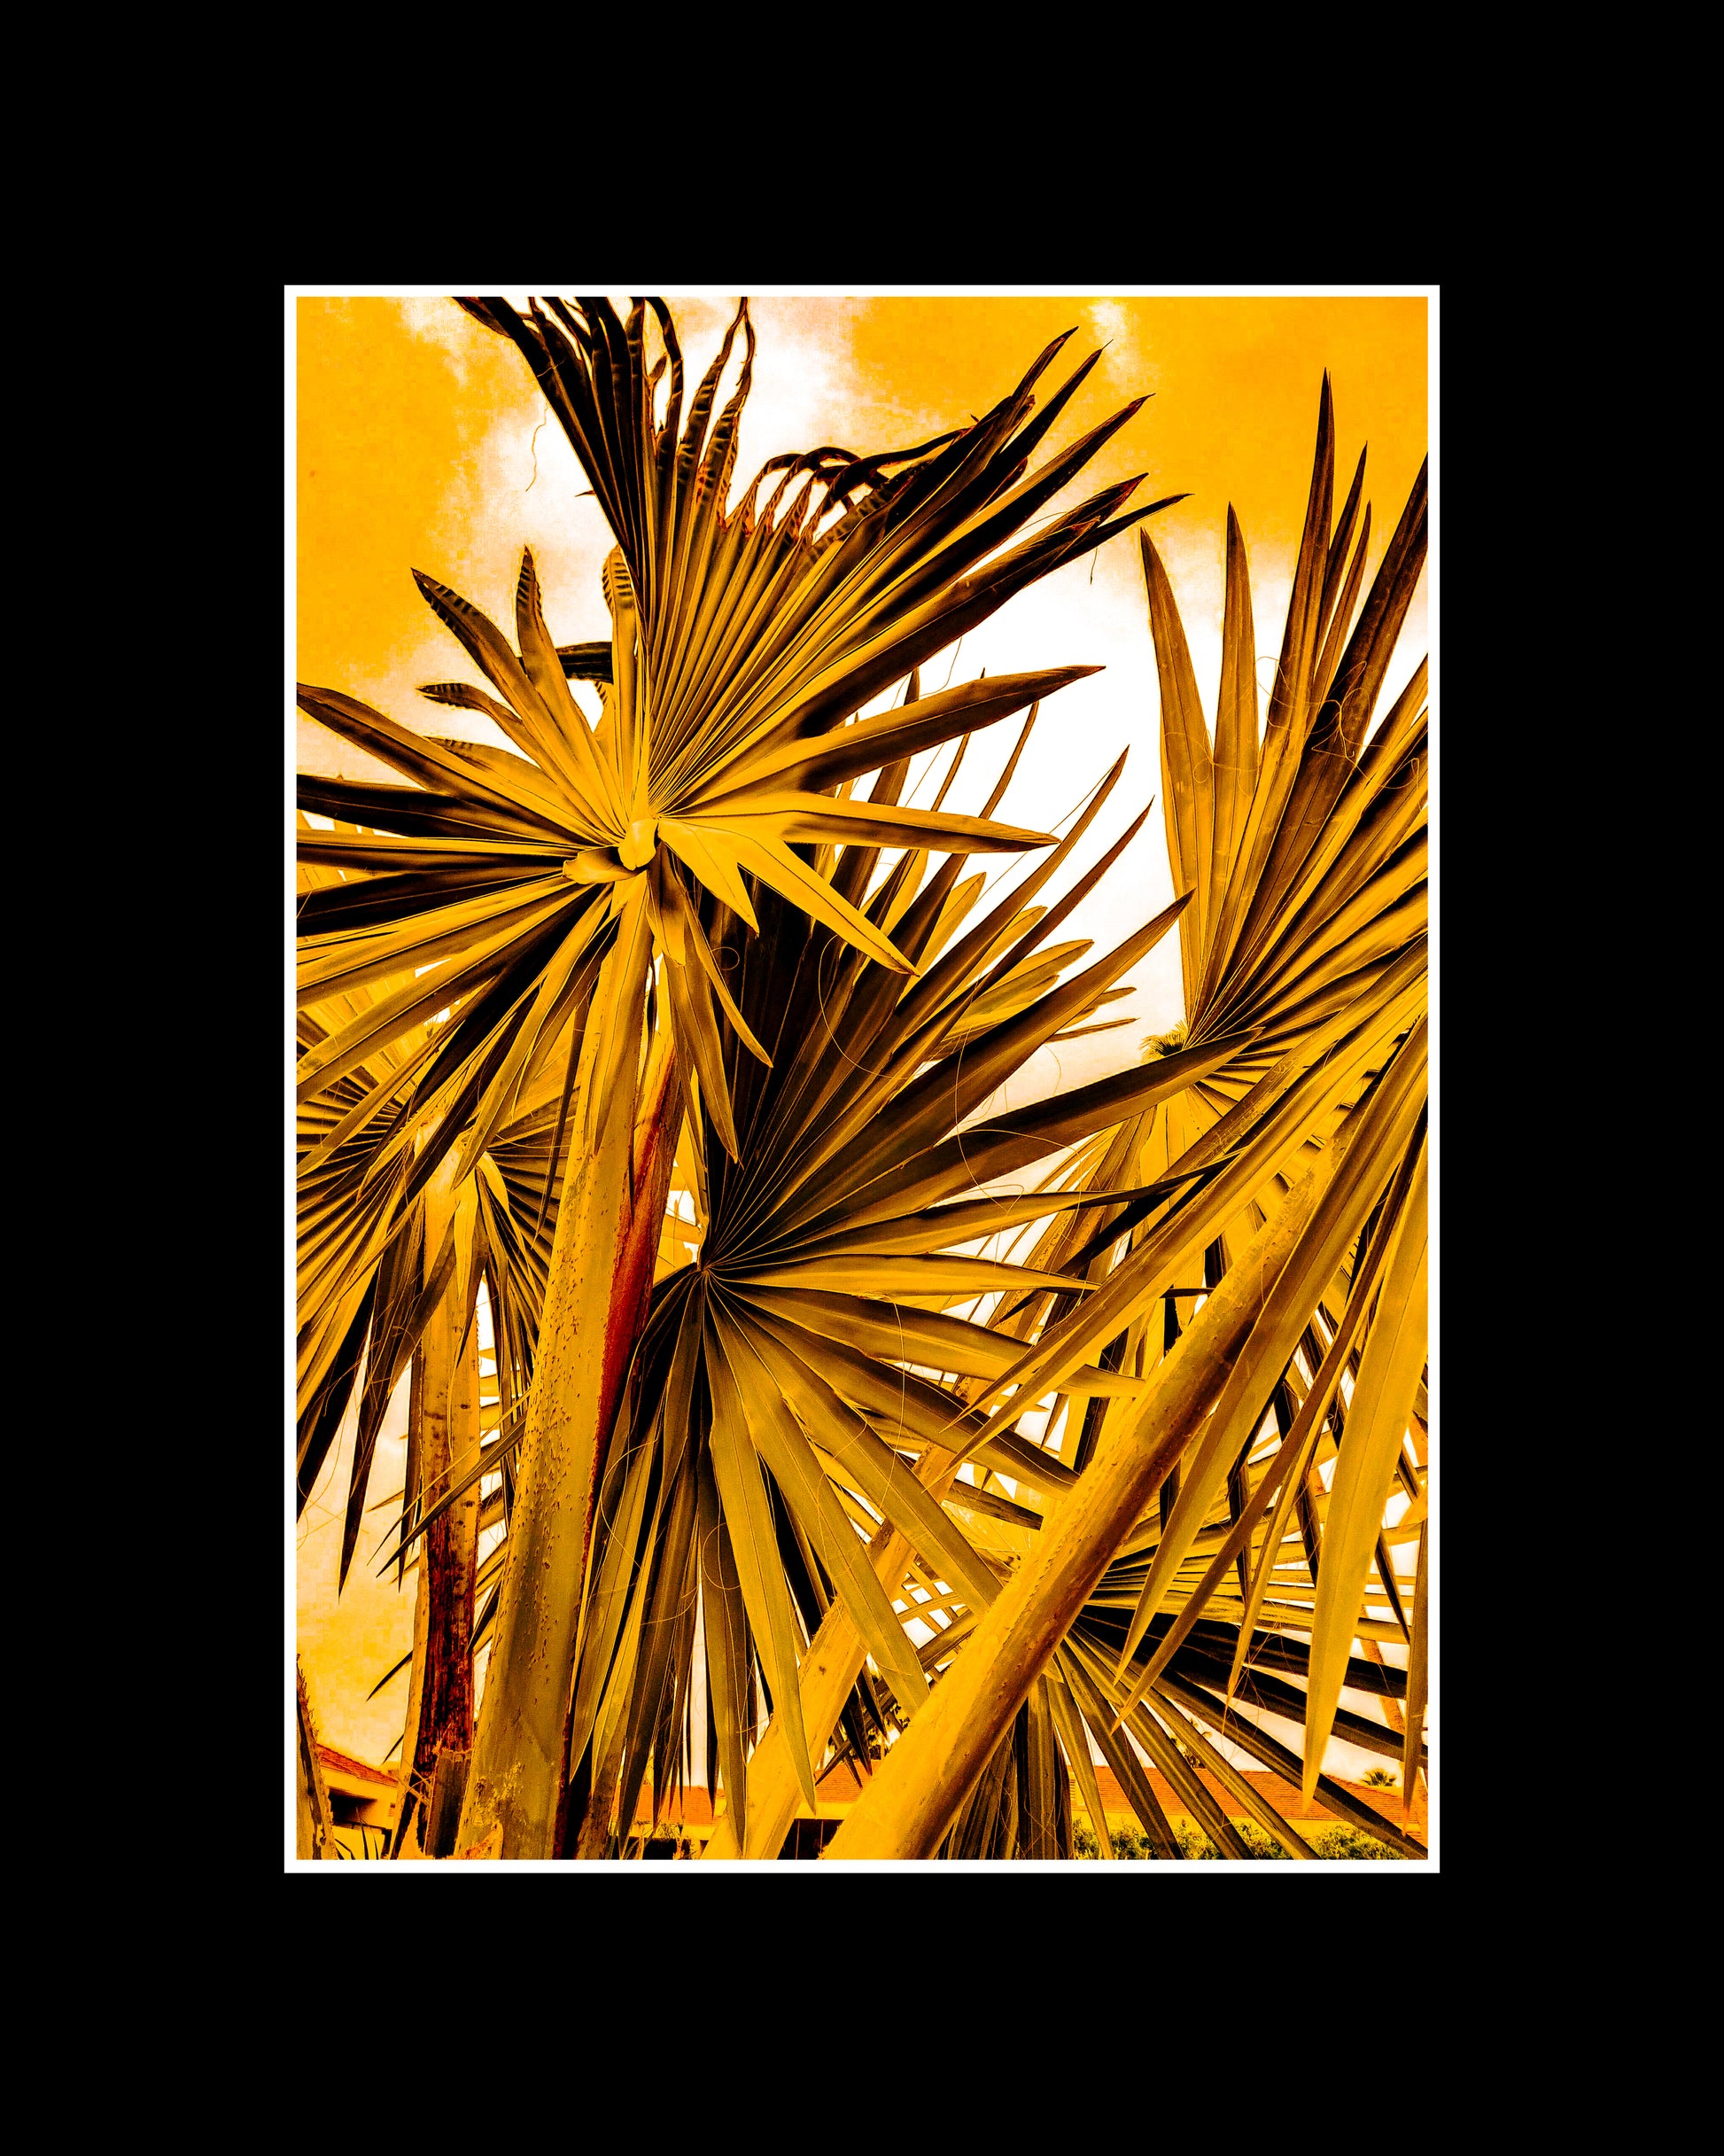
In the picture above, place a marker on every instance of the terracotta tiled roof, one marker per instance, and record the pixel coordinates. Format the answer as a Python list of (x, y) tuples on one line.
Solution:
[(360, 1768), (839, 1789), (1288, 1800)]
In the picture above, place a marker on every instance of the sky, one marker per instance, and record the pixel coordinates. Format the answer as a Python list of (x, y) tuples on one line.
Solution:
[(421, 441)]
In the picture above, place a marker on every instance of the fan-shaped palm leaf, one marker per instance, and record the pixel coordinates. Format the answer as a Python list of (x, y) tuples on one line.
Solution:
[(799, 1374), (513, 885), (1304, 943)]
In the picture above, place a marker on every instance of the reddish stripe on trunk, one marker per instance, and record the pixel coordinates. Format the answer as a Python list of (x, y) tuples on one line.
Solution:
[(637, 1258), (655, 1145)]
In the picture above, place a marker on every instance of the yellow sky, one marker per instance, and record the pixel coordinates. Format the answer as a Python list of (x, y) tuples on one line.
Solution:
[(420, 445)]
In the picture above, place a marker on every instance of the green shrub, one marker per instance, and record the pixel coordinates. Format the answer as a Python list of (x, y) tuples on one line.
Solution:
[(1131, 1844), (1349, 1842)]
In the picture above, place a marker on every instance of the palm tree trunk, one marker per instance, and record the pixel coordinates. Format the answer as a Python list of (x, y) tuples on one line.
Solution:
[(587, 1834), (438, 1741), (450, 1438), (405, 1835), (315, 1841), (595, 1302)]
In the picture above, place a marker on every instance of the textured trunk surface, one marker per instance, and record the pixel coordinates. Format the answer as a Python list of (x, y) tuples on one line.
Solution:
[(593, 1307), (315, 1835), (442, 1734), (587, 1833)]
